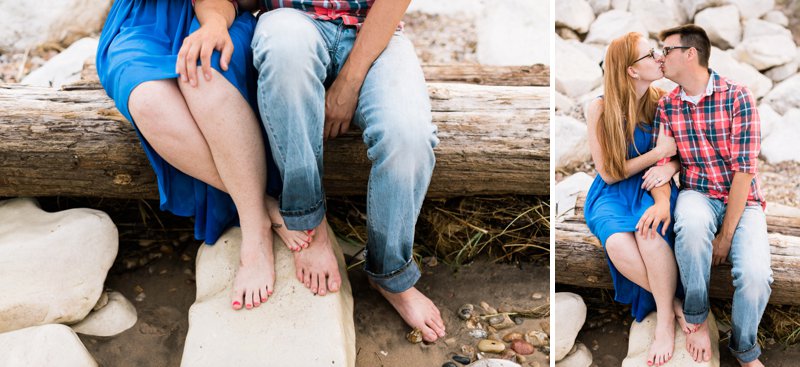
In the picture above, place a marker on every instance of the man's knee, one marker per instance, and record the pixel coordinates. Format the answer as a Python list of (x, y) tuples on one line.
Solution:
[(403, 139), (285, 37), (753, 280)]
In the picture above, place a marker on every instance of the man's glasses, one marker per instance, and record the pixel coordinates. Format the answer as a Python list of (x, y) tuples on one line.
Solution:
[(652, 53), (667, 49)]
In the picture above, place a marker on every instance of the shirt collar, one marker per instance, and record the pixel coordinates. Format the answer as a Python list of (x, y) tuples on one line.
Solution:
[(715, 83)]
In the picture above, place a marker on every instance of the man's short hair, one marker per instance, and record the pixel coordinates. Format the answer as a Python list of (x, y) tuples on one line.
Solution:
[(691, 36)]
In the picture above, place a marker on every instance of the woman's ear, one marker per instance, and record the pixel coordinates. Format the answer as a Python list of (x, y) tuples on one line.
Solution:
[(633, 73)]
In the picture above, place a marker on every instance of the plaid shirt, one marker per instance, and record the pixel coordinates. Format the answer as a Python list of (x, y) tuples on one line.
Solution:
[(351, 13), (715, 138)]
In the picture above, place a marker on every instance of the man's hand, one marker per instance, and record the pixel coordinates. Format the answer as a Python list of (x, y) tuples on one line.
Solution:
[(721, 246), (648, 223), (213, 35), (341, 100)]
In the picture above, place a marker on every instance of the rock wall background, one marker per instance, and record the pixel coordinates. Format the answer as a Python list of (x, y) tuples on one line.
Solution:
[(754, 43)]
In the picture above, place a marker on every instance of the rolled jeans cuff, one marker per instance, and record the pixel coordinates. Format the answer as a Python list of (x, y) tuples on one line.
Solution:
[(303, 220), (696, 318), (748, 355), (399, 280)]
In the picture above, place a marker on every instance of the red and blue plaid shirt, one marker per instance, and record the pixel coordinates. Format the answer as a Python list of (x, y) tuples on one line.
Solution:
[(717, 137), (351, 13)]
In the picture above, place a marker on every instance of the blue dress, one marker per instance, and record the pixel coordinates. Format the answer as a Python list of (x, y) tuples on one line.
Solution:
[(617, 208), (139, 43)]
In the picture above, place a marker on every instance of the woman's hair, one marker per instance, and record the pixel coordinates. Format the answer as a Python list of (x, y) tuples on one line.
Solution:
[(621, 110)]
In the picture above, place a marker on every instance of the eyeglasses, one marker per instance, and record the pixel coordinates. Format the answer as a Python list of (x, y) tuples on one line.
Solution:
[(667, 49), (652, 53)]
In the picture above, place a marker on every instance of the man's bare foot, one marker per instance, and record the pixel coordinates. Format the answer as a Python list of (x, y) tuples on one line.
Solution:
[(417, 311), (255, 278), (755, 363), (316, 267), (677, 308), (698, 343), (294, 240), (664, 342)]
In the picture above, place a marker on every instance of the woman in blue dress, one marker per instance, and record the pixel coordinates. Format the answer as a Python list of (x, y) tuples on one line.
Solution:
[(197, 125), (628, 209)]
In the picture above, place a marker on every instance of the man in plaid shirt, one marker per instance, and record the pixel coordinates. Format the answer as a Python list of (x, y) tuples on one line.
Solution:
[(719, 215), (321, 66)]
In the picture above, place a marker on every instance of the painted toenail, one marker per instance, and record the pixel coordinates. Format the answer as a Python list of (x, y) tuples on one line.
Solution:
[(236, 303)]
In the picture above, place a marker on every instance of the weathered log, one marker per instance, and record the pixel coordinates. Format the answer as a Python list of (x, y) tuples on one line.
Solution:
[(581, 261), (494, 140)]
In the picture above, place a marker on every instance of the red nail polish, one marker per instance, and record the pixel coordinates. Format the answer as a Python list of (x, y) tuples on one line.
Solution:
[(236, 303)]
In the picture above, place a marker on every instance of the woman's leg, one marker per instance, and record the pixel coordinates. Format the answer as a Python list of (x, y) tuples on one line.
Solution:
[(662, 272), (623, 251)]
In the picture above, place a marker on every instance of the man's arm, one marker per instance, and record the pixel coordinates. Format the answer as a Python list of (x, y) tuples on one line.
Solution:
[(342, 97)]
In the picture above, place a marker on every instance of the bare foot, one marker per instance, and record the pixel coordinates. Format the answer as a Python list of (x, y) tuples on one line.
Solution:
[(677, 308), (664, 342), (294, 240), (755, 363), (417, 311), (316, 267), (698, 343), (255, 278)]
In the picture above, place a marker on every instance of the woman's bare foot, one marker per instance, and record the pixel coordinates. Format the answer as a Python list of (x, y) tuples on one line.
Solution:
[(698, 343), (294, 240), (316, 267), (417, 311), (255, 278), (677, 308), (664, 342)]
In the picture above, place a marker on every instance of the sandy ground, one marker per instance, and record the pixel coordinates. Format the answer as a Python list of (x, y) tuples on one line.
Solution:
[(168, 285)]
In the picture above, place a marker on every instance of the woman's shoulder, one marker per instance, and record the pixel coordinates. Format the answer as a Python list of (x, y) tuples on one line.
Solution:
[(594, 109)]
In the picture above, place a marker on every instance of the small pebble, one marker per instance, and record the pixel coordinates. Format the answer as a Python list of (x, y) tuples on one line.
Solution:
[(522, 347), (465, 311), (478, 333), (537, 338), (509, 354), (494, 320), (537, 295), (449, 364), (489, 309), (512, 336), (415, 336), (138, 289), (491, 346), (450, 342), (521, 359), (384, 353), (461, 359), (140, 297), (468, 350), (518, 320)]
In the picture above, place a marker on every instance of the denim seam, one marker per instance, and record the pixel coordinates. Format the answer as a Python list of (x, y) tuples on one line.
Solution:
[(736, 354), (391, 274), (296, 213)]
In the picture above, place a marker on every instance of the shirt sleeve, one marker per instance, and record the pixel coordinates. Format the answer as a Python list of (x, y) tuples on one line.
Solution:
[(745, 133), (235, 5), (661, 120)]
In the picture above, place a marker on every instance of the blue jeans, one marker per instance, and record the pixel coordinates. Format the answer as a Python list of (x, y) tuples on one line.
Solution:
[(297, 58), (697, 220)]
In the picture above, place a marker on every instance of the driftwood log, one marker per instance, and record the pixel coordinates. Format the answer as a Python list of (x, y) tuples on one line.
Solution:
[(581, 261), (73, 142)]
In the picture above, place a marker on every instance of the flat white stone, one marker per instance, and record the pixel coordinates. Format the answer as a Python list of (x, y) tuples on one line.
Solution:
[(576, 73), (777, 17), (600, 6), (572, 145), (658, 15), (726, 65), (613, 24), (765, 45), (577, 15), (782, 72), (768, 118), (563, 103), (53, 264), (692, 7), (570, 314), (25, 26), (784, 96), (279, 331), (565, 194), (507, 38), (752, 9), (594, 51), (114, 318), (643, 333), (781, 144), (722, 25), (620, 4), (65, 67), (581, 357), (44, 346)]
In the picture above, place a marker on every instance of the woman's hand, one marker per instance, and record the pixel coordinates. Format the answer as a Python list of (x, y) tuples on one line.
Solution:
[(665, 144), (656, 176), (212, 35), (652, 217)]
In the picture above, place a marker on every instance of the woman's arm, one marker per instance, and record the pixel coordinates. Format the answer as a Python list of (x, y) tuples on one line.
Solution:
[(215, 16), (657, 213), (659, 175), (632, 166)]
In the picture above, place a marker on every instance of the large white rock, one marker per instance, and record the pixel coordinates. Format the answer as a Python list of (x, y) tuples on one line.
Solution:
[(507, 38), (752, 9), (576, 73), (570, 314), (572, 145), (777, 17), (563, 103), (600, 6), (781, 144), (53, 264), (768, 118), (279, 331), (643, 333), (25, 26), (658, 15), (782, 72), (784, 96), (765, 45), (566, 193), (692, 7), (116, 316), (577, 15), (595, 52), (726, 65), (722, 25), (65, 67), (613, 24), (620, 4), (581, 357), (44, 346)]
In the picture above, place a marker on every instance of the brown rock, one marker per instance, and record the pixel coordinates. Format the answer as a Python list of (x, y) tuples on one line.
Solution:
[(489, 309), (512, 336), (522, 347), (491, 346), (415, 336)]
